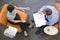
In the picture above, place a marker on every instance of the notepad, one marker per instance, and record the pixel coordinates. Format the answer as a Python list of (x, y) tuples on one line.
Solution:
[(39, 19), (10, 32)]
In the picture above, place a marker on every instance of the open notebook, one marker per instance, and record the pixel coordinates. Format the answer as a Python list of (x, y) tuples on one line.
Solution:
[(10, 32), (39, 19)]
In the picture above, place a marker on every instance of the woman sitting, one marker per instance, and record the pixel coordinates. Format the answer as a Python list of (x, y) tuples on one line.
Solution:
[(14, 18)]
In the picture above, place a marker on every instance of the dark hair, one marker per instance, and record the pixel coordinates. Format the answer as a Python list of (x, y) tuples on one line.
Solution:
[(10, 8), (48, 11)]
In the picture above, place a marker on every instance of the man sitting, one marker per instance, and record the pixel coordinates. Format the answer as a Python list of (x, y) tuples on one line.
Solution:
[(51, 15)]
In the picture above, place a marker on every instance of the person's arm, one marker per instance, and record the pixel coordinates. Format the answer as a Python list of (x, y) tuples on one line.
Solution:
[(22, 8), (42, 8), (15, 21)]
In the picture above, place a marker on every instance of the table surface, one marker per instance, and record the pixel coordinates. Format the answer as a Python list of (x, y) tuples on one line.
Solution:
[(50, 30)]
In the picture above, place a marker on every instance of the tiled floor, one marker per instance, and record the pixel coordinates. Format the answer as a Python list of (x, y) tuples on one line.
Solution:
[(34, 5)]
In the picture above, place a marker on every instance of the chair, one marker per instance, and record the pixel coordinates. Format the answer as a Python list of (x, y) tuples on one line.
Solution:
[(57, 6)]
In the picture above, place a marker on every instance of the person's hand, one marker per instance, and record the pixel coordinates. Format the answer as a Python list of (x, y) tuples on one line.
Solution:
[(27, 8), (16, 21), (39, 12), (23, 21)]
